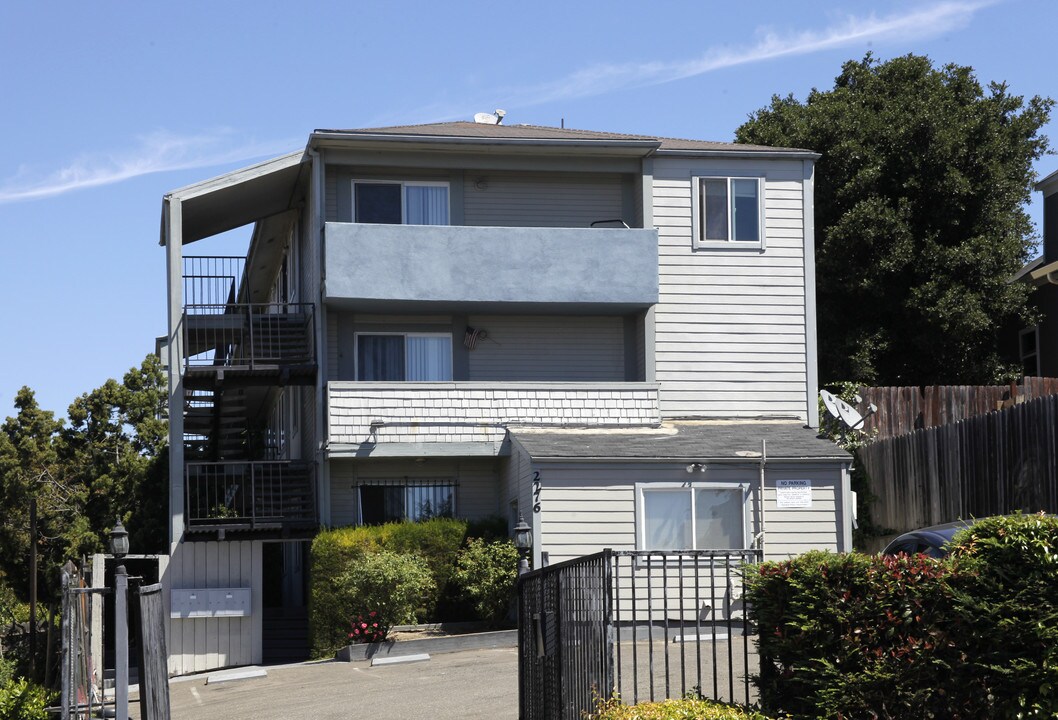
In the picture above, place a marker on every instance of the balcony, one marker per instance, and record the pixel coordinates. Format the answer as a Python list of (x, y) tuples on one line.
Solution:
[(249, 339), (274, 497), (377, 418), (388, 267)]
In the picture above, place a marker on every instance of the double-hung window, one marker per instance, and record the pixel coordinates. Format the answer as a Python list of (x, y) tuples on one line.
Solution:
[(421, 357), (692, 516), (728, 212), (400, 203)]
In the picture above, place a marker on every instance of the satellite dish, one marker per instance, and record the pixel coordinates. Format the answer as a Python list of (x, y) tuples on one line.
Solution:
[(841, 410), (486, 119), (830, 402)]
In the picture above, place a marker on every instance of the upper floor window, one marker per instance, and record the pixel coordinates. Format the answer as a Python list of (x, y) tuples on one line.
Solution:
[(423, 357), (728, 212), (400, 203)]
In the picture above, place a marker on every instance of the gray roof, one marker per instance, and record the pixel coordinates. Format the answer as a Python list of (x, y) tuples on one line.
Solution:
[(484, 131), (706, 440)]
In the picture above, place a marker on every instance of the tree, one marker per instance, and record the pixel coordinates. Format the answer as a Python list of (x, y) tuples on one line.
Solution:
[(108, 461), (919, 214)]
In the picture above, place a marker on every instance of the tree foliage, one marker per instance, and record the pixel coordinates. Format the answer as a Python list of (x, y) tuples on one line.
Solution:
[(920, 219), (106, 462)]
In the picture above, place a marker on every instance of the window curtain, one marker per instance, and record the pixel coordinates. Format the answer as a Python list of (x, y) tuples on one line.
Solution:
[(426, 204), (429, 358), (428, 501), (712, 209), (380, 357)]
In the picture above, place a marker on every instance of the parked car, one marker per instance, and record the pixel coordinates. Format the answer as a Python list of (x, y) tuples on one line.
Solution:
[(932, 541)]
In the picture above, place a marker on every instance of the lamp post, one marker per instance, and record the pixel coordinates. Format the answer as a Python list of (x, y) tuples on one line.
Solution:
[(523, 541), (119, 547)]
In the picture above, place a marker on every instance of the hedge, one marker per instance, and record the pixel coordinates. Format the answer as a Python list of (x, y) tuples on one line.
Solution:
[(684, 709), (337, 553), (974, 635)]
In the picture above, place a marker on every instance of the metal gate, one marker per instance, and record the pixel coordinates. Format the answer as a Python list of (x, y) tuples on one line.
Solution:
[(565, 638), (643, 625)]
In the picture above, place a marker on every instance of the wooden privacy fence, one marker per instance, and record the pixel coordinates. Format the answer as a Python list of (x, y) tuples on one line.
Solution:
[(905, 409), (990, 464)]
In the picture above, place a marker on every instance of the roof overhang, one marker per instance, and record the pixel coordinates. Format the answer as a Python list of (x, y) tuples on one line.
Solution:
[(1045, 274), (240, 197), (1049, 185), (776, 154), (409, 142)]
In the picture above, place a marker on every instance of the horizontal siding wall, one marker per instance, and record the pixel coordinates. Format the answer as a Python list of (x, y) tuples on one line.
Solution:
[(202, 644), (477, 483), (586, 507), (529, 347), (730, 325), (541, 199)]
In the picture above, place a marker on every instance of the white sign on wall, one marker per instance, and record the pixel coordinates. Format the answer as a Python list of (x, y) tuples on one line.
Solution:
[(793, 493)]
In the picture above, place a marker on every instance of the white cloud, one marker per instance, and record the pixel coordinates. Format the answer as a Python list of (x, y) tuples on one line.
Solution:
[(921, 22), (153, 153)]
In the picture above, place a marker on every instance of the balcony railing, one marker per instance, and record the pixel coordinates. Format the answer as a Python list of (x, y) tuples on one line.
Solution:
[(248, 335), (266, 495), (212, 280)]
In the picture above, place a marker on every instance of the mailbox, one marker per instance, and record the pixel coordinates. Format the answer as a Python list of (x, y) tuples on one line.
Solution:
[(210, 603)]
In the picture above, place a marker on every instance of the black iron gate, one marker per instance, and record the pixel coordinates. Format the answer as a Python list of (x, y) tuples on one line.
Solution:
[(645, 625), (565, 638)]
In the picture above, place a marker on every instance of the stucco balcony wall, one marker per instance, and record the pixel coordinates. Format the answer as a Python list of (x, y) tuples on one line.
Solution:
[(490, 266)]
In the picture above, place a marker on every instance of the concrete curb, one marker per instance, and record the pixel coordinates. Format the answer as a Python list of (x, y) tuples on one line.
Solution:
[(454, 643)]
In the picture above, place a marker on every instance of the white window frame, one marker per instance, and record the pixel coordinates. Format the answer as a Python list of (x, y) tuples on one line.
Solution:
[(356, 350), (403, 201), (698, 242), (689, 487)]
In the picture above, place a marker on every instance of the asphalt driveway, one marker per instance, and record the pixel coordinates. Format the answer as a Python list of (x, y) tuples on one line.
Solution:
[(467, 684)]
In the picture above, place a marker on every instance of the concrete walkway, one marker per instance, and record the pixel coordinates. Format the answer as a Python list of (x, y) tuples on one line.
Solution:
[(468, 684)]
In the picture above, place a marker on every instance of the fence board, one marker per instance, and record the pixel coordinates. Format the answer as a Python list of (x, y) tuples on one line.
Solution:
[(988, 464), (154, 692)]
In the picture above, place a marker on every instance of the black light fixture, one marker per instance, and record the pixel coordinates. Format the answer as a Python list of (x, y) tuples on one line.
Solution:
[(119, 541), (523, 542), (523, 536)]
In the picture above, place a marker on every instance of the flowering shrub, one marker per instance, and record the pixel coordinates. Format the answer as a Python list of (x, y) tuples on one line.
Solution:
[(368, 629)]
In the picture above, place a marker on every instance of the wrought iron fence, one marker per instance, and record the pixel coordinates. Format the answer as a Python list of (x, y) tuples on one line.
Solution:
[(249, 494), (646, 625)]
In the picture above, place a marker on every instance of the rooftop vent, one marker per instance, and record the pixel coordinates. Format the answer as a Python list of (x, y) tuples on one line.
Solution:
[(492, 118)]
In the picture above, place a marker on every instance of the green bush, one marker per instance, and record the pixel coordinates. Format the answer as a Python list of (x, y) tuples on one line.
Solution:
[(486, 573), (394, 585), (335, 551), (685, 709), (974, 635), (22, 700)]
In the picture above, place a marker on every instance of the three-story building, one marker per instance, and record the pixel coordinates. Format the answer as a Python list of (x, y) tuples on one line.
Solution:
[(610, 335)]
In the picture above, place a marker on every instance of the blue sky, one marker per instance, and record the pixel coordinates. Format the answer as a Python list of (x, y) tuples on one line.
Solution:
[(108, 105)]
